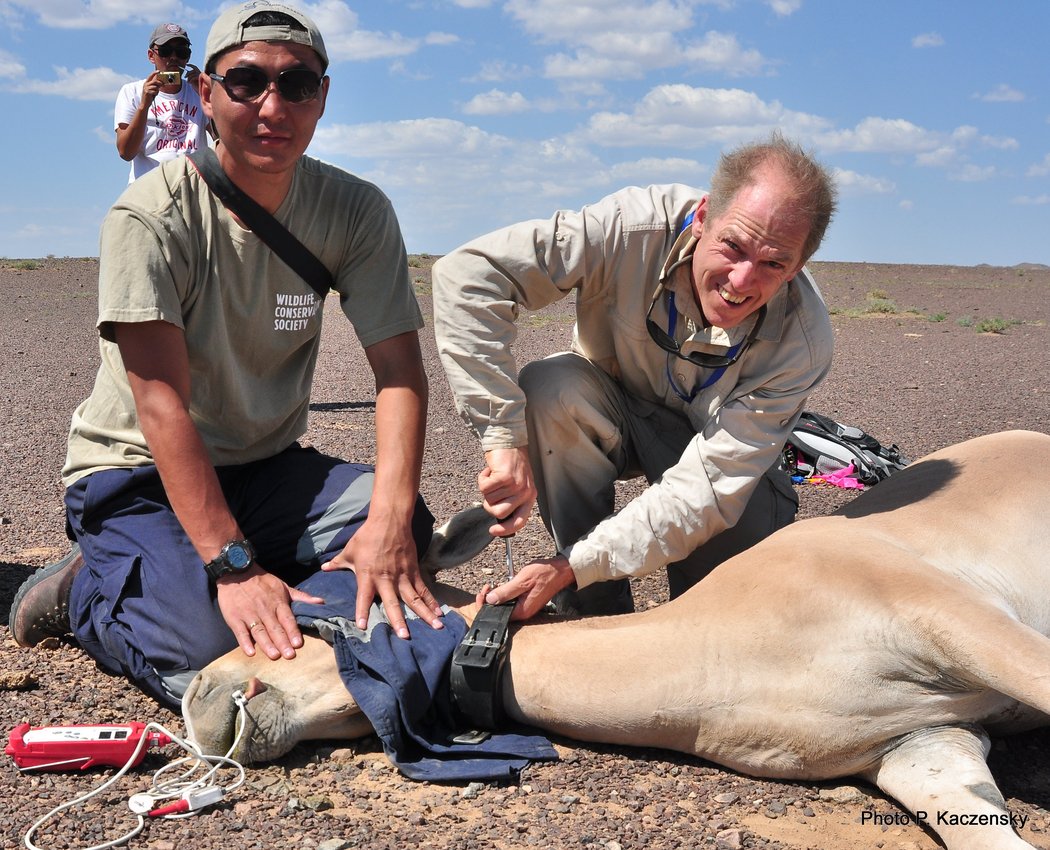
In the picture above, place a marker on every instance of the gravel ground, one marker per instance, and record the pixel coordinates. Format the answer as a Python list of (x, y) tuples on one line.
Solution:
[(912, 367)]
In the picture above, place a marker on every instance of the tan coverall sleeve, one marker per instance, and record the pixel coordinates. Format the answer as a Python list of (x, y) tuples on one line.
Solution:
[(479, 290)]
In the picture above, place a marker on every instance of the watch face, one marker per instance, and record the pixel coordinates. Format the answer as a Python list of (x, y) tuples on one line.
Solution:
[(238, 557)]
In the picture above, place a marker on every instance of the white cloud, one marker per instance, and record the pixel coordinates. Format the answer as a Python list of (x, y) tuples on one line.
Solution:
[(360, 46), (103, 14), (11, 66), (428, 138), (617, 39), (942, 156), (721, 52), (906, 204), (498, 70), (852, 183), (1040, 169), (1002, 93), (473, 174), (496, 102), (928, 39), (581, 20), (966, 134), (344, 37), (1028, 200), (784, 8), (1003, 143), (399, 68), (348, 42), (441, 39), (881, 135), (477, 179), (684, 116), (970, 173), (78, 84), (589, 65), (649, 170), (630, 56)]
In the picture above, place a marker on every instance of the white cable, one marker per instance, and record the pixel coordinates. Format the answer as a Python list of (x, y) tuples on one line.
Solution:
[(177, 787)]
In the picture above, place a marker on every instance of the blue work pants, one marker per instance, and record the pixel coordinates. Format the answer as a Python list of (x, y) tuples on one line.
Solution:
[(143, 607)]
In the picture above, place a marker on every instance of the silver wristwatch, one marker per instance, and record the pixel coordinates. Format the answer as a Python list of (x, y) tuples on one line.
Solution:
[(235, 557)]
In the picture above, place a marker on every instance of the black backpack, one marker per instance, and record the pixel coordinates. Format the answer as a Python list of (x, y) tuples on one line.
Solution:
[(819, 445)]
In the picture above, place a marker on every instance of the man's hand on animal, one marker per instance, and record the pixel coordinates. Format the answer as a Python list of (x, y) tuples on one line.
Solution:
[(534, 586), (257, 607), (384, 559), (507, 488)]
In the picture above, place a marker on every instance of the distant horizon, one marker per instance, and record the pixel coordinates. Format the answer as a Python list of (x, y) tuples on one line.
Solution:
[(9, 261), (934, 117)]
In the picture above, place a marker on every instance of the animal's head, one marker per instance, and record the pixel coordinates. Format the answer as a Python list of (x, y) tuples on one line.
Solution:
[(285, 702)]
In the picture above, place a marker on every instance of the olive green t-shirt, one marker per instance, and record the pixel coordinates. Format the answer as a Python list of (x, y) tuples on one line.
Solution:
[(171, 252)]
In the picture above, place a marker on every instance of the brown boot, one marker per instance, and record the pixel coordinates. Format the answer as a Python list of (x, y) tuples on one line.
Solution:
[(41, 607)]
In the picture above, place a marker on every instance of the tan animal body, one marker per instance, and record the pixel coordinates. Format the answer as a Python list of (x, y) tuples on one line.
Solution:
[(881, 641)]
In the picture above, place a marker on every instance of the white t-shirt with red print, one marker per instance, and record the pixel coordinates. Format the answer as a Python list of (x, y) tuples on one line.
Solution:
[(176, 125)]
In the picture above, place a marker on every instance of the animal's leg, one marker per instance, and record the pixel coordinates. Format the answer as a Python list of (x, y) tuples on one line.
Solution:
[(457, 541), (940, 776)]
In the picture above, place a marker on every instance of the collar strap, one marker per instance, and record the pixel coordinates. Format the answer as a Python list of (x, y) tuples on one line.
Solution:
[(477, 667)]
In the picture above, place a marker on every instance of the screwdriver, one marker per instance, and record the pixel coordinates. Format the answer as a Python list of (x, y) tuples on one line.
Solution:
[(510, 556)]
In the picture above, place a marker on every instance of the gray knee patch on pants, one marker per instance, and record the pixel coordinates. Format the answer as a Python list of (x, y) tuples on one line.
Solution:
[(318, 536)]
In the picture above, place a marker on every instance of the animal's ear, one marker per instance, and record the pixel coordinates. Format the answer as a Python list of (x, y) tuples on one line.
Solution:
[(458, 540)]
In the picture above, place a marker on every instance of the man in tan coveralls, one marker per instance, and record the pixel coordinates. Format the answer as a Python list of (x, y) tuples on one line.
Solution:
[(699, 337)]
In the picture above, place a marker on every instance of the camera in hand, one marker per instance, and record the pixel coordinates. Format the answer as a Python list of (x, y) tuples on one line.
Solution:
[(169, 78)]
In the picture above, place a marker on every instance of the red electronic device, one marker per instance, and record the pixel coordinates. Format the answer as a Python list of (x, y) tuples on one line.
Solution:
[(80, 747)]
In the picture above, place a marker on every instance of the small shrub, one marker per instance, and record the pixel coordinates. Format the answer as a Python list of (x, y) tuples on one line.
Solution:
[(848, 312), (877, 304), (992, 326), (937, 317), (964, 322), (26, 265)]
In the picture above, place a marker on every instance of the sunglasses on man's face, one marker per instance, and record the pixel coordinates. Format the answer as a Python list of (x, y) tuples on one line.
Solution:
[(698, 358), (296, 85), (179, 51)]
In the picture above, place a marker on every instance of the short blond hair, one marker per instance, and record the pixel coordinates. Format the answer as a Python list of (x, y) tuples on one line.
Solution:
[(815, 195)]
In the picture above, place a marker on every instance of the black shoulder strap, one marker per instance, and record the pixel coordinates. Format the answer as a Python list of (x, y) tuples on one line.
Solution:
[(296, 255)]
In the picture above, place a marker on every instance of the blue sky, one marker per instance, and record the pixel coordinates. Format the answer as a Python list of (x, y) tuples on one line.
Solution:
[(471, 114)]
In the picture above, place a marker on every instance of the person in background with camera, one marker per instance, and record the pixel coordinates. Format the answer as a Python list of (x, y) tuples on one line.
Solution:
[(161, 117), (699, 337), (196, 509)]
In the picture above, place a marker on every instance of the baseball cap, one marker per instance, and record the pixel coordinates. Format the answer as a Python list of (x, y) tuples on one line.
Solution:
[(230, 30), (166, 32)]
